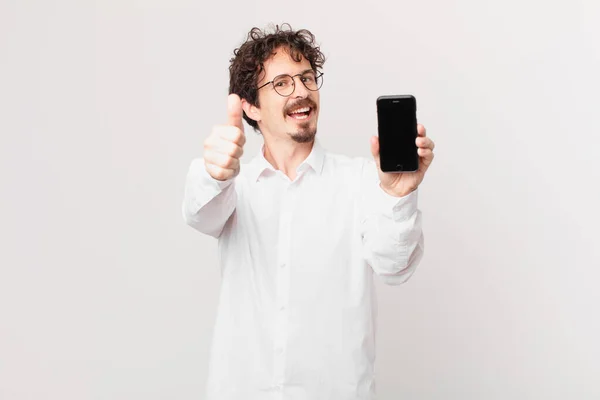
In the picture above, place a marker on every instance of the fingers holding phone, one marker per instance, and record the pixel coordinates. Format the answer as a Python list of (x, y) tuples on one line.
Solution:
[(225, 145), (425, 146)]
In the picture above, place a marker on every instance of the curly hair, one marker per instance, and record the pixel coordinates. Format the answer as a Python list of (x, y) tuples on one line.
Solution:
[(248, 61)]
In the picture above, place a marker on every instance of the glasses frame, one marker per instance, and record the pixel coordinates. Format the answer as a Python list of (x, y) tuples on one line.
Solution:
[(318, 75)]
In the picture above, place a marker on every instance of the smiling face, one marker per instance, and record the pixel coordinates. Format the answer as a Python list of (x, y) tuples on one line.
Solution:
[(294, 116)]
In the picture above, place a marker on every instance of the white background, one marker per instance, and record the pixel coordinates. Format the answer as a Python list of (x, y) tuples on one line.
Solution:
[(105, 293)]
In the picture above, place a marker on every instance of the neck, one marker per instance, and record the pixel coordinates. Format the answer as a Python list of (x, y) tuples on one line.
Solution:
[(285, 154)]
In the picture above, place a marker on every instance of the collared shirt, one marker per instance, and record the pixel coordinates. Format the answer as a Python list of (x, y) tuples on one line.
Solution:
[(297, 310)]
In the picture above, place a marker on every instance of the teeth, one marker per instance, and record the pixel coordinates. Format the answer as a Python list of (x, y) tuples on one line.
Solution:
[(301, 110)]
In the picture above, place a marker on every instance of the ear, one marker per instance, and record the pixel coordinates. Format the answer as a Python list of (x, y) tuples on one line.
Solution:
[(251, 111)]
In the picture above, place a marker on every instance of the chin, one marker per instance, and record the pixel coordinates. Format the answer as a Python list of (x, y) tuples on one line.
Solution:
[(304, 135)]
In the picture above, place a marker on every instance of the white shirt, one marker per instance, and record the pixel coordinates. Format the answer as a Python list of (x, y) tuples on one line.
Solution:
[(297, 309)]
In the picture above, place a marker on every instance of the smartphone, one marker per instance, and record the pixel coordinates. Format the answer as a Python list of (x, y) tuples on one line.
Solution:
[(397, 127)]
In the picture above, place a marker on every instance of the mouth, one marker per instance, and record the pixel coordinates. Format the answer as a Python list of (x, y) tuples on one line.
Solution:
[(301, 113)]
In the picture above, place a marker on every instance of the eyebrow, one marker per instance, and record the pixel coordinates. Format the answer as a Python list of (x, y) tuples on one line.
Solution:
[(300, 73)]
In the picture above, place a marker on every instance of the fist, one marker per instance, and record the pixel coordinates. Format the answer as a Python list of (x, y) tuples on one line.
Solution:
[(224, 147)]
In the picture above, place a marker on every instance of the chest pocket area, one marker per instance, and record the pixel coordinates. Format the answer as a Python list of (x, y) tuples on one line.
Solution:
[(264, 207), (327, 220)]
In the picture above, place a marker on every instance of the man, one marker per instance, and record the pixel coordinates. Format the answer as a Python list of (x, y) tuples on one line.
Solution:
[(302, 234)]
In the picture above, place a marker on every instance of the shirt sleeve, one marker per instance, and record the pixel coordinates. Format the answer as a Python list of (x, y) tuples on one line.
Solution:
[(207, 202), (391, 229)]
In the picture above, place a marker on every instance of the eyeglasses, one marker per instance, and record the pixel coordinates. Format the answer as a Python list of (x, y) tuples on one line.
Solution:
[(285, 84)]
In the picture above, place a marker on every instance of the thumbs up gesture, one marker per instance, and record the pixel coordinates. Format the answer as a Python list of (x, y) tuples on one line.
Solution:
[(224, 147)]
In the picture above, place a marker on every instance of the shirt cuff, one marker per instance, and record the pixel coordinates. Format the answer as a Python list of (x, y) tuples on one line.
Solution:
[(212, 182), (201, 187), (399, 208)]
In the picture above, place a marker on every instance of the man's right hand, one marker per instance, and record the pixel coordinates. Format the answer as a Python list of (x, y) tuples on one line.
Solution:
[(224, 147)]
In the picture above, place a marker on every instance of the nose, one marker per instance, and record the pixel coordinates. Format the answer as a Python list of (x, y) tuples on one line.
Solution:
[(300, 91)]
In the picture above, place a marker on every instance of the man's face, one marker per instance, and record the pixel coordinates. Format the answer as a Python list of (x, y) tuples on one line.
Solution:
[(278, 115)]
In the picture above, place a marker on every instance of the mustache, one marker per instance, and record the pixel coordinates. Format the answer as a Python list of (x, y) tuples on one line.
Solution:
[(301, 103)]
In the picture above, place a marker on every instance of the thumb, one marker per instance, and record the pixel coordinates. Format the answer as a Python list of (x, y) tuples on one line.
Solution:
[(234, 111), (375, 148)]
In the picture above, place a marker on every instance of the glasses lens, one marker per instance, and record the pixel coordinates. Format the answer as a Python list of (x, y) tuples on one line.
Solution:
[(311, 80), (284, 85)]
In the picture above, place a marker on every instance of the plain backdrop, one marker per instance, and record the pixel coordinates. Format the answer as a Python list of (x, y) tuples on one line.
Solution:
[(105, 293)]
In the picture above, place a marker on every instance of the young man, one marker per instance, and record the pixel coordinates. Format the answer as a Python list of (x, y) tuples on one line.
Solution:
[(302, 234)]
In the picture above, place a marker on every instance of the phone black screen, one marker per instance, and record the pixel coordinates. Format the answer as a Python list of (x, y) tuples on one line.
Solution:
[(397, 124)]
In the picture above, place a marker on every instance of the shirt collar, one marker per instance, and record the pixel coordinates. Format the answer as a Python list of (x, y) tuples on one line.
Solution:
[(315, 160)]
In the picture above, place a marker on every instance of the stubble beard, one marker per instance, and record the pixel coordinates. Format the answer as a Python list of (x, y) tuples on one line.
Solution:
[(305, 134)]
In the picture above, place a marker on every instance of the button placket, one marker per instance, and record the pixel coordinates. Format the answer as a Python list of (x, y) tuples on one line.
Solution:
[(283, 279)]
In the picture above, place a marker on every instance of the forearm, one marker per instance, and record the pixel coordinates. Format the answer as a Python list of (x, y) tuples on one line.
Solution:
[(207, 203), (393, 241)]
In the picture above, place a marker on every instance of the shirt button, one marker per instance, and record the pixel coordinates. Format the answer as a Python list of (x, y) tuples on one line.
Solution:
[(281, 308), (279, 350), (282, 265)]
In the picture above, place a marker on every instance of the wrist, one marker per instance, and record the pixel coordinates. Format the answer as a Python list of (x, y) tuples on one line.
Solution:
[(398, 192)]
